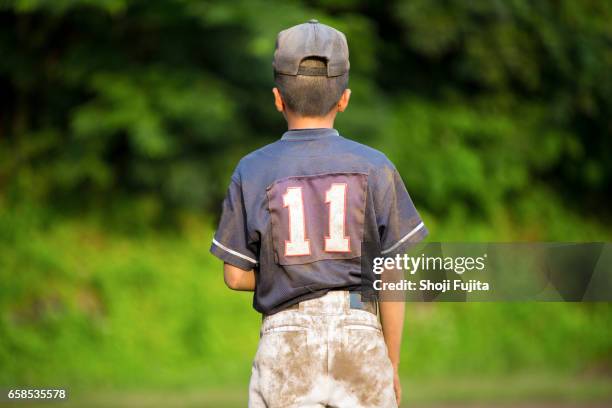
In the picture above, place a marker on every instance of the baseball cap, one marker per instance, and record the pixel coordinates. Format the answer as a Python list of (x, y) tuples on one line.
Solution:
[(311, 39)]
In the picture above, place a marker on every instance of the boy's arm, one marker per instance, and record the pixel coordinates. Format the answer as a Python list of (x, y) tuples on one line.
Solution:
[(238, 279), (233, 243), (392, 321)]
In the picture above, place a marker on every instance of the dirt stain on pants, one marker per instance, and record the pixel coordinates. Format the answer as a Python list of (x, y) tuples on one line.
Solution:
[(323, 354)]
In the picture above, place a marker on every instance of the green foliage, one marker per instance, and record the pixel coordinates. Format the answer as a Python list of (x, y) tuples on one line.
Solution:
[(87, 308), (531, 87), (118, 117), (84, 308), (478, 104)]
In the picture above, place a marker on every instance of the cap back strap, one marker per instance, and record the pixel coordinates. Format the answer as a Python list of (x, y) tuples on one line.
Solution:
[(312, 71)]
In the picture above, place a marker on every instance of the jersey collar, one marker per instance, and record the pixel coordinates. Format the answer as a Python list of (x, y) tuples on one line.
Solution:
[(309, 134)]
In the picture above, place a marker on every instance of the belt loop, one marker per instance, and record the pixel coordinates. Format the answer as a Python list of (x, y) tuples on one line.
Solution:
[(347, 302)]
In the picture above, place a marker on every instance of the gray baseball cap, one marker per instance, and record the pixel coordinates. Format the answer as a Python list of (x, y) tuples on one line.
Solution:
[(311, 39)]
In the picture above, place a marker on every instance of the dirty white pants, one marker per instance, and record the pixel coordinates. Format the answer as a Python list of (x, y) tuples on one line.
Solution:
[(323, 354)]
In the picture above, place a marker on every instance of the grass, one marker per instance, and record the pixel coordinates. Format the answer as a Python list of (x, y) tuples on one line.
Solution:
[(514, 391), (92, 310)]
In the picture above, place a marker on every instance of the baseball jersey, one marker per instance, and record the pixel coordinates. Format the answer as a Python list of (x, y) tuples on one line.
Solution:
[(298, 210)]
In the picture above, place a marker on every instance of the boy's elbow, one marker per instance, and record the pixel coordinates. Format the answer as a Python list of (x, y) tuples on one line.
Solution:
[(231, 280), (232, 277)]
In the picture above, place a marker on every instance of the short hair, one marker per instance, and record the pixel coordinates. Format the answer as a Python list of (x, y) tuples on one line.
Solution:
[(311, 95)]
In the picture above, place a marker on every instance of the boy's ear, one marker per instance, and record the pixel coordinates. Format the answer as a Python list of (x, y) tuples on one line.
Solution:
[(344, 100), (278, 100)]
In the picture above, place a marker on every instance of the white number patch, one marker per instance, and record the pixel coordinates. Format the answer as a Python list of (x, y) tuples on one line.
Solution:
[(297, 245), (336, 241), (336, 198)]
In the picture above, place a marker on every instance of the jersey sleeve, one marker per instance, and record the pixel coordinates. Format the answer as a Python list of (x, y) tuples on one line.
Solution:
[(232, 242), (399, 223)]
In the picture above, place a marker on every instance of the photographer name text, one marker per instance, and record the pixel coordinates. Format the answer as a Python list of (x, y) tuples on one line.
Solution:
[(414, 264)]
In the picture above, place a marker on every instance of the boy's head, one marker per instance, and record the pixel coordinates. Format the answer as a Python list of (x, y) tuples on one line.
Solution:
[(311, 70)]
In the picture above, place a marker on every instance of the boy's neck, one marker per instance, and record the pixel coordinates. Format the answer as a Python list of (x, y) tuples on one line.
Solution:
[(301, 122)]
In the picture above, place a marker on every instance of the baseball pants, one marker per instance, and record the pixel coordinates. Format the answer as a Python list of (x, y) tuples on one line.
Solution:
[(322, 354)]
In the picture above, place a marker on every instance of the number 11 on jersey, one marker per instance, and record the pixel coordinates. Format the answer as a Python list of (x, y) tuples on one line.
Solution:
[(336, 241), (336, 198), (297, 245)]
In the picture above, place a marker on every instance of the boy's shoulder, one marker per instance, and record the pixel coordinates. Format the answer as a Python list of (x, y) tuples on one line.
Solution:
[(360, 151)]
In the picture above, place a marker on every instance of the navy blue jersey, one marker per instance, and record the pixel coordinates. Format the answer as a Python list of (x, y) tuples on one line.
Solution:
[(297, 211)]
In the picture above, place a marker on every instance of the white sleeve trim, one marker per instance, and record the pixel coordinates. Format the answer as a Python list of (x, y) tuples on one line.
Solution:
[(401, 241), (231, 251)]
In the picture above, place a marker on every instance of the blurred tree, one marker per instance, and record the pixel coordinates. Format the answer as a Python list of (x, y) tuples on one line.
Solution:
[(144, 107)]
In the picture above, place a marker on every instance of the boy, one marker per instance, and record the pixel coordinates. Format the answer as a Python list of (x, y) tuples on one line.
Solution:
[(295, 216)]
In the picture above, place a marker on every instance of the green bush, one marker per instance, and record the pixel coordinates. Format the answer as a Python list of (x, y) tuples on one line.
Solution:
[(88, 308)]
